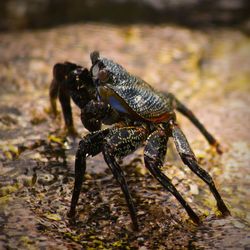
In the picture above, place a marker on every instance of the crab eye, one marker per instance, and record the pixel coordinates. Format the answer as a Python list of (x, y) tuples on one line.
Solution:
[(103, 75), (94, 56), (95, 71)]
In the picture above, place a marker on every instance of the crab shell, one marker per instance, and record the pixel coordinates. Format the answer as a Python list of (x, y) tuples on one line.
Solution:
[(129, 94)]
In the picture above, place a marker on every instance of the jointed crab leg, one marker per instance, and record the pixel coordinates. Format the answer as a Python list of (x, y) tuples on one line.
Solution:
[(57, 89), (80, 168), (189, 159), (91, 144), (119, 175), (190, 115), (64, 99), (193, 165), (121, 142), (154, 155)]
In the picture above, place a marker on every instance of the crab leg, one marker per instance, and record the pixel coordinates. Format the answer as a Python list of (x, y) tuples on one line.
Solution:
[(53, 94), (154, 155), (120, 143), (91, 144), (57, 89), (119, 175), (64, 99), (191, 116), (189, 159)]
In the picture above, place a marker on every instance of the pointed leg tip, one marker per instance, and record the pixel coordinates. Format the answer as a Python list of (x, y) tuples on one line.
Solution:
[(71, 214), (71, 132), (197, 221), (194, 217), (218, 148), (134, 225), (224, 210), (226, 213), (135, 228)]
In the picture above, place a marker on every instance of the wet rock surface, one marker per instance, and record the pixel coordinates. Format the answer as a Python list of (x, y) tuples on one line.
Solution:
[(207, 70)]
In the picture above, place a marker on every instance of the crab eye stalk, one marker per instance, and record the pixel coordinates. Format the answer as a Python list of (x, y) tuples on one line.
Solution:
[(94, 56), (103, 75)]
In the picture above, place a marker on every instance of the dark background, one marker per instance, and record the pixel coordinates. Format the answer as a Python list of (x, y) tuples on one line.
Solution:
[(21, 14)]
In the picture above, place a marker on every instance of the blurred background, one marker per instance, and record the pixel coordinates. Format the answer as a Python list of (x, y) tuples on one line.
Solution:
[(20, 14)]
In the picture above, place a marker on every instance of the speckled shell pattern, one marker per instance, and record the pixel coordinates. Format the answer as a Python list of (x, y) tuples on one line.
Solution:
[(138, 95)]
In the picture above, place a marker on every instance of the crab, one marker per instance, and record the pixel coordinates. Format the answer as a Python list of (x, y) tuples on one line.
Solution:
[(138, 114)]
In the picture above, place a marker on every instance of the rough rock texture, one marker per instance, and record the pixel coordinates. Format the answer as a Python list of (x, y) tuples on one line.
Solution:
[(208, 70)]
